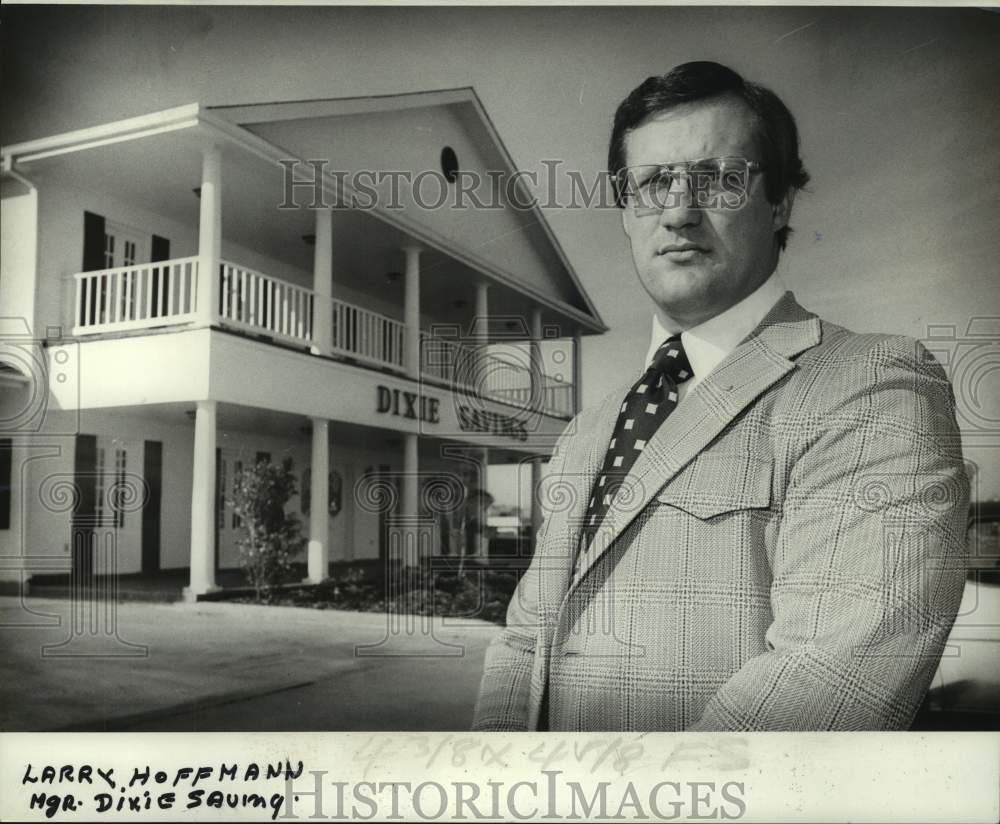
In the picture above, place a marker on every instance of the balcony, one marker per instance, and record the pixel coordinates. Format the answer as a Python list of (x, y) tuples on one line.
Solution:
[(148, 295)]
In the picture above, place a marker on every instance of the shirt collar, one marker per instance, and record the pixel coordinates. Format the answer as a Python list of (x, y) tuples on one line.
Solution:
[(708, 343)]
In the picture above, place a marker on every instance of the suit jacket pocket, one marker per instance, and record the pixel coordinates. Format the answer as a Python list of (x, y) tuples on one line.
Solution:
[(716, 484)]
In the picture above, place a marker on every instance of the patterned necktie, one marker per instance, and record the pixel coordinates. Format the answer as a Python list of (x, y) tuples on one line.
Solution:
[(645, 407)]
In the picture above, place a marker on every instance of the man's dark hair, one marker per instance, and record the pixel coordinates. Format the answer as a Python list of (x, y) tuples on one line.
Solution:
[(775, 130)]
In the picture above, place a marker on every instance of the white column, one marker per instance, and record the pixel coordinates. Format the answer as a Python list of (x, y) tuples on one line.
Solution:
[(209, 235), (203, 503), (577, 371), (322, 331), (536, 507), (411, 311), (481, 326), (319, 494), (410, 492), (537, 374)]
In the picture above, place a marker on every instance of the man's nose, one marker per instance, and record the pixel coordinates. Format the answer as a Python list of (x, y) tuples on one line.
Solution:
[(679, 208)]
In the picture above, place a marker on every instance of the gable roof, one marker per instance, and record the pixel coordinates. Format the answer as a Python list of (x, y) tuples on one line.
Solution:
[(546, 277), (517, 248)]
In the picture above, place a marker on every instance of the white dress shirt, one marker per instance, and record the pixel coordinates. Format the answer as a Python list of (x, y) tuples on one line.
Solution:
[(709, 342)]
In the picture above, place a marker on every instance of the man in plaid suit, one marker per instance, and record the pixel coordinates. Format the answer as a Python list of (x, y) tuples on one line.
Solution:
[(782, 547)]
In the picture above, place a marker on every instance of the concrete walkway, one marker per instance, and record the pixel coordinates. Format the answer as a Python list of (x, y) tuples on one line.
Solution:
[(224, 666)]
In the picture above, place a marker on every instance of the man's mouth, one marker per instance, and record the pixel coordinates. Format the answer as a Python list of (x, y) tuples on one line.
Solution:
[(681, 251), (674, 248)]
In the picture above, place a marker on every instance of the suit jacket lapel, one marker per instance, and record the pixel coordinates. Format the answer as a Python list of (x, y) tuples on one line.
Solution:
[(763, 358)]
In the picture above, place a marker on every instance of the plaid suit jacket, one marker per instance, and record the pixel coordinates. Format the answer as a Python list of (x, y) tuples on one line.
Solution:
[(787, 553)]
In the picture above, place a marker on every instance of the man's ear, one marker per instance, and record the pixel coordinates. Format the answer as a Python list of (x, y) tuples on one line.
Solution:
[(782, 210)]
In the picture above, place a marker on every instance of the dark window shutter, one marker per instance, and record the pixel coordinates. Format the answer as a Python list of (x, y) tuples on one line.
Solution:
[(6, 467), (84, 517), (93, 242), (93, 259), (159, 250)]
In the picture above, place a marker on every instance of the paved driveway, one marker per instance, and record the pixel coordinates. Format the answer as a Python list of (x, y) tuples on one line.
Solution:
[(221, 666)]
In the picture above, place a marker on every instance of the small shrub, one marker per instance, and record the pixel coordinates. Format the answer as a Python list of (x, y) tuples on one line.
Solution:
[(271, 539)]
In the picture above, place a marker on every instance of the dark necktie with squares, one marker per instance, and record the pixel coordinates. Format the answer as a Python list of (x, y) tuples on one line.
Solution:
[(646, 406)]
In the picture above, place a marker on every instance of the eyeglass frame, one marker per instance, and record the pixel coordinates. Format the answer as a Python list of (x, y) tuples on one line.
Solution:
[(622, 192)]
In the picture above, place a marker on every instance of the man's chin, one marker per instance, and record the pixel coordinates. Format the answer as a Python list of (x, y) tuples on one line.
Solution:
[(684, 287)]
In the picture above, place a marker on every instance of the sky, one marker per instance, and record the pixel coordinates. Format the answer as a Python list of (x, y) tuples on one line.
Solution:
[(897, 111)]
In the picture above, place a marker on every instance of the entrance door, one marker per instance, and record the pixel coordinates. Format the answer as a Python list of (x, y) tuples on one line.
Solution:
[(124, 246), (118, 498), (229, 465), (366, 538), (228, 525), (107, 474)]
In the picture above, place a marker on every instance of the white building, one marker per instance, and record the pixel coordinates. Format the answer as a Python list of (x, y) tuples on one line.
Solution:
[(135, 388)]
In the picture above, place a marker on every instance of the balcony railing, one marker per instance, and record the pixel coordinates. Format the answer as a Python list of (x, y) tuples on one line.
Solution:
[(264, 305), (370, 336), (490, 375), (557, 398), (135, 297), (165, 293)]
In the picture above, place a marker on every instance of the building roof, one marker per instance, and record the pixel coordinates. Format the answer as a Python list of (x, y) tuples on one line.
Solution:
[(515, 248)]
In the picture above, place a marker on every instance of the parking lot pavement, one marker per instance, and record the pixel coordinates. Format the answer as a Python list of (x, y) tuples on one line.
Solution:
[(224, 666)]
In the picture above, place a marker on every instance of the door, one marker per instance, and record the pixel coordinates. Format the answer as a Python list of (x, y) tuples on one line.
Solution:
[(123, 246), (228, 525), (229, 464), (118, 497), (106, 527)]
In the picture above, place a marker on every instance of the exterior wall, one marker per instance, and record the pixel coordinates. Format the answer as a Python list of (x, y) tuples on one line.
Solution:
[(12, 403), (48, 499), (42, 503), (18, 253)]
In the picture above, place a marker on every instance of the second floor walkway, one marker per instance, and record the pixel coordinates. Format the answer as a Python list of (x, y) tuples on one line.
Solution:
[(129, 299)]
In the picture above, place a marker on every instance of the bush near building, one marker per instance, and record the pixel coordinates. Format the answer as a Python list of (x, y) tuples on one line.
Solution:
[(271, 539), (475, 593)]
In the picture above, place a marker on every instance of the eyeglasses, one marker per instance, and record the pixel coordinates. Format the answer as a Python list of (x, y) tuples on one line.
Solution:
[(713, 183)]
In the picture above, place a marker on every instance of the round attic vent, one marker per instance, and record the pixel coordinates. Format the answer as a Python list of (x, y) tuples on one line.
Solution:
[(449, 164)]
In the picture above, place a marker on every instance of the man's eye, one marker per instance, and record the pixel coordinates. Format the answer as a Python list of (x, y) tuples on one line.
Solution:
[(708, 172), (663, 177)]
